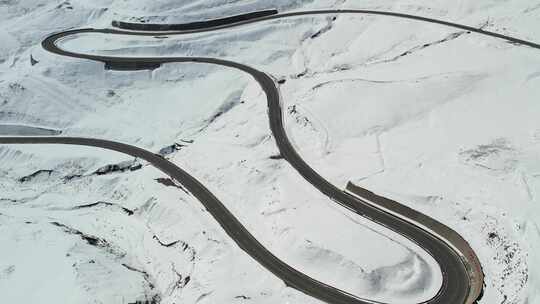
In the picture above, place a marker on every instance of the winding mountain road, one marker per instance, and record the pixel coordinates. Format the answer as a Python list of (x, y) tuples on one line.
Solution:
[(461, 282)]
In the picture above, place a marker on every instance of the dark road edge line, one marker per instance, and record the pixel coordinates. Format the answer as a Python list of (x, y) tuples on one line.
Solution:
[(204, 28), (443, 232), (192, 25)]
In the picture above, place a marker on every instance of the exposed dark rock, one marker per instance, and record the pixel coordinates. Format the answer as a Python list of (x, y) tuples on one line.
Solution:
[(317, 34), (170, 149), (154, 299), (130, 165), (96, 204), (232, 100), (450, 37), (497, 156), (292, 109), (166, 244), (511, 261), (16, 87), (277, 156), (302, 74), (145, 274), (135, 167), (14, 201), (170, 183), (33, 61), (90, 239), (302, 120), (242, 297), (68, 178), (483, 151), (341, 67), (323, 30), (186, 280), (183, 245), (39, 173), (65, 5)]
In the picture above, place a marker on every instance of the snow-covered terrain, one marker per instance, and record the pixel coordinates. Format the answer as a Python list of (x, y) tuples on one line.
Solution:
[(436, 118)]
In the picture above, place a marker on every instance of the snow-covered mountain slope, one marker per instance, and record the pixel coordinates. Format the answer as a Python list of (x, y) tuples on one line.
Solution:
[(441, 120)]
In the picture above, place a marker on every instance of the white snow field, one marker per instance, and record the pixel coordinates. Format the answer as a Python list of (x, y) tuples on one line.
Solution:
[(438, 119)]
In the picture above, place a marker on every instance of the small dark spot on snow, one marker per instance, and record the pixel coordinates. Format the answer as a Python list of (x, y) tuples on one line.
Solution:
[(277, 156), (292, 109), (16, 87), (33, 61), (8, 270), (317, 34), (186, 280), (242, 297)]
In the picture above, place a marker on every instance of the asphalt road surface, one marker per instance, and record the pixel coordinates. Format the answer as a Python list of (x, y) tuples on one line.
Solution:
[(456, 287)]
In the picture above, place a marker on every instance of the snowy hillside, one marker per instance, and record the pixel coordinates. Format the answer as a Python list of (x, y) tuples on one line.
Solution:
[(441, 120)]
